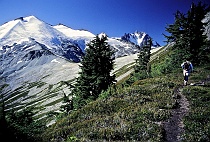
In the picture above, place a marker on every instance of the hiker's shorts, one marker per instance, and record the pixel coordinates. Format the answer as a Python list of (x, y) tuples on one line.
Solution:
[(186, 74)]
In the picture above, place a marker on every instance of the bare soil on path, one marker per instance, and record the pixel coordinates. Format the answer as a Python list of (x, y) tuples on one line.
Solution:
[(174, 127)]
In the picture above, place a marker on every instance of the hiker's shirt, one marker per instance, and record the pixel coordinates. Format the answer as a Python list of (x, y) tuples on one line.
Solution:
[(187, 70)]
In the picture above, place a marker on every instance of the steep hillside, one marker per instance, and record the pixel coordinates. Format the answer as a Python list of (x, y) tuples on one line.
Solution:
[(141, 111), (32, 76)]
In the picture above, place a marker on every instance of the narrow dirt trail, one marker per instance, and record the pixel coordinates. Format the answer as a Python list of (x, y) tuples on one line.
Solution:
[(174, 127)]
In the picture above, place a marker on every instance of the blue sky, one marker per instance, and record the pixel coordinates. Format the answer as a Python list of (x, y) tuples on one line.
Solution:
[(114, 17)]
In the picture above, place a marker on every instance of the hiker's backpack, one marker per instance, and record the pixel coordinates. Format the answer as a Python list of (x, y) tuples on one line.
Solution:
[(186, 66)]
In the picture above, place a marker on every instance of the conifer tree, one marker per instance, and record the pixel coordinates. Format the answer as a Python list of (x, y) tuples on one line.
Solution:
[(96, 67), (195, 30), (3, 122), (187, 34), (144, 56), (67, 106)]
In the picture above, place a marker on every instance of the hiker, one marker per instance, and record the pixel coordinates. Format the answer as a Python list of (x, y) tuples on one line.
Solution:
[(187, 69)]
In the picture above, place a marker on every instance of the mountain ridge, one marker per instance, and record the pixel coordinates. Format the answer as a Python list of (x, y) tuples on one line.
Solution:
[(138, 38), (22, 28)]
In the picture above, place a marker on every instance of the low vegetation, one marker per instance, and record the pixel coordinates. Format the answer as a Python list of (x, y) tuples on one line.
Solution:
[(197, 122), (136, 111), (128, 112)]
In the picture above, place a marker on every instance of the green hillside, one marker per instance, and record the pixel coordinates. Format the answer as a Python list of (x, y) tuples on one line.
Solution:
[(138, 111)]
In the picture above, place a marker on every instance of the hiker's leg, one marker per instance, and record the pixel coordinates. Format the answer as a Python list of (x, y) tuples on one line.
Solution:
[(185, 80), (186, 76), (185, 73)]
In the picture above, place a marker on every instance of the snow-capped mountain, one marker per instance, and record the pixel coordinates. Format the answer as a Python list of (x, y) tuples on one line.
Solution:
[(34, 63), (23, 29), (29, 62), (138, 38), (31, 75), (82, 37)]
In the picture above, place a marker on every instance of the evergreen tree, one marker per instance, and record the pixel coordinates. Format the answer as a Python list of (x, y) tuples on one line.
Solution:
[(196, 30), (21, 127), (144, 57), (67, 106), (3, 122), (94, 76), (176, 29), (187, 34)]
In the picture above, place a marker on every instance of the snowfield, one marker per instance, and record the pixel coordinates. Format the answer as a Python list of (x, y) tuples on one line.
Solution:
[(32, 27)]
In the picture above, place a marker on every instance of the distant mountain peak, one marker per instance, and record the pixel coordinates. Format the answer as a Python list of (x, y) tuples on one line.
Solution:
[(102, 35), (28, 27), (24, 28), (19, 18), (138, 38), (26, 19)]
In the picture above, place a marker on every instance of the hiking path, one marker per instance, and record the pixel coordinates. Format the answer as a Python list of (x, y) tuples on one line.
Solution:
[(174, 127)]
